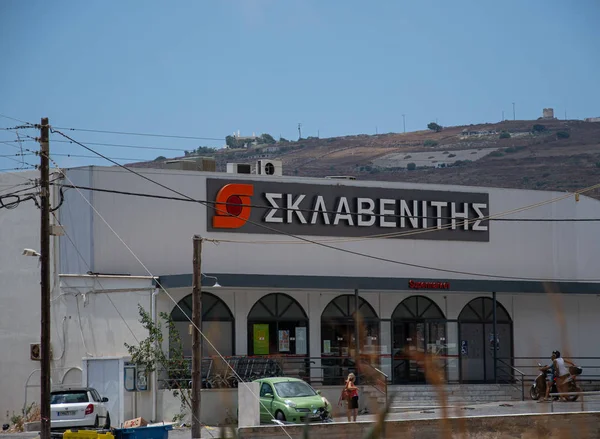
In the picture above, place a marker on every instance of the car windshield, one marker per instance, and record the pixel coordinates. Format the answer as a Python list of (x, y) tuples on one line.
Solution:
[(72, 397), (294, 389)]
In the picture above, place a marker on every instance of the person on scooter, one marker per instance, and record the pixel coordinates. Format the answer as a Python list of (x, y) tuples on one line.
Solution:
[(549, 378), (562, 372)]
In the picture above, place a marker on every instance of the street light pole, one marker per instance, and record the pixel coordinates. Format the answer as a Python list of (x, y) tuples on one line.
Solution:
[(45, 279), (197, 338)]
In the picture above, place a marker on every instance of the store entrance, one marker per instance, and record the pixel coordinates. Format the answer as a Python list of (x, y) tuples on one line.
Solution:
[(419, 328), (477, 342), (338, 337)]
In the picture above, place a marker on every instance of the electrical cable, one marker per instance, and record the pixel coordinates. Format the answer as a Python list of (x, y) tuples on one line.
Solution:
[(237, 376), (120, 145), (30, 125), (257, 206), (95, 279), (141, 134), (352, 252)]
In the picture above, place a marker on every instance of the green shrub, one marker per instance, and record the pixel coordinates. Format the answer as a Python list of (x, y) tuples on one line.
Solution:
[(562, 135), (597, 164), (505, 135), (510, 150), (407, 157), (430, 142), (451, 155), (411, 166), (538, 128)]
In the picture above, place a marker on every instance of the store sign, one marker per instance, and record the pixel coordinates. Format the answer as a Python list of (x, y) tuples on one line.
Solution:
[(416, 285), (338, 210)]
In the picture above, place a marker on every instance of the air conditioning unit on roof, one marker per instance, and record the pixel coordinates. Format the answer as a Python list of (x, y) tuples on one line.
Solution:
[(239, 168), (269, 167)]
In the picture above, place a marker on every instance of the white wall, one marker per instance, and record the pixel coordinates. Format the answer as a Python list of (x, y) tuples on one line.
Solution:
[(162, 239), (20, 297)]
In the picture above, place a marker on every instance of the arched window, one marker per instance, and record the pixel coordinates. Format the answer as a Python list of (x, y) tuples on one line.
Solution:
[(417, 308), (419, 327), (217, 324), (478, 342), (343, 307), (338, 336), (277, 324), (482, 310)]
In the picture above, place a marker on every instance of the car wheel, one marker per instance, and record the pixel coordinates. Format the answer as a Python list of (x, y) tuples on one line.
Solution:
[(280, 416), (107, 423)]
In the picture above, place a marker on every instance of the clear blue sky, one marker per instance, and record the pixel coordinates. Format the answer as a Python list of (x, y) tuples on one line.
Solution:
[(207, 68)]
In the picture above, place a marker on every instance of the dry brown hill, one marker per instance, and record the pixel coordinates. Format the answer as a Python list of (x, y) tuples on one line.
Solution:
[(561, 155)]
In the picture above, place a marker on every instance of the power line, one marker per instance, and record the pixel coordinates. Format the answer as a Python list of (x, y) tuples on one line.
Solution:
[(97, 158), (96, 280), (141, 134), (177, 304), (30, 125), (331, 247), (285, 209), (118, 145)]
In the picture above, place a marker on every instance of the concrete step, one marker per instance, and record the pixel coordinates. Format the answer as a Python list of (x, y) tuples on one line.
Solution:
[(427, 395)]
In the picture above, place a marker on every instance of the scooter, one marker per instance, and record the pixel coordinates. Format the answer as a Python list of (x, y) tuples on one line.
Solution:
[(571, 382), (538, 388)]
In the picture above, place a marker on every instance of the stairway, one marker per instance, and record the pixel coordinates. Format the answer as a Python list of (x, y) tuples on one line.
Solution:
[(410, 397)]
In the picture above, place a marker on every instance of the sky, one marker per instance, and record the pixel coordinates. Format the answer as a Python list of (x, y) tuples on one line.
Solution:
[(209, 68)]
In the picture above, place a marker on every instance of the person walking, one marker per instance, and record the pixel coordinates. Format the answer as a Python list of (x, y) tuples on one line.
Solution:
[(350, 394)]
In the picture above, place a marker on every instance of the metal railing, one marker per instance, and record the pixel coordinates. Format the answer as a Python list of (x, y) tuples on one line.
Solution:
[(511, 377), (374, 377)]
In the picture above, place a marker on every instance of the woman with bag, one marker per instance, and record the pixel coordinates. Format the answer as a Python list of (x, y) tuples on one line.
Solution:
[(350, 394)]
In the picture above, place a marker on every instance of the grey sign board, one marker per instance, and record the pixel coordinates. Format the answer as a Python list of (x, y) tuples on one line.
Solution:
[(346, 211)]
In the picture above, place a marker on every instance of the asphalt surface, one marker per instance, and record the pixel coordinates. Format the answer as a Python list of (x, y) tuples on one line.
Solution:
[(508, 408)]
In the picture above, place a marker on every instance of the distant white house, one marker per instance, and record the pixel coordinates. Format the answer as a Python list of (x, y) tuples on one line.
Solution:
[(473, 132)]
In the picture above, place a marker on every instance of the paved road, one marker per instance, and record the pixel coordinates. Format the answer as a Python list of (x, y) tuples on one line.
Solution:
[(431, 412)]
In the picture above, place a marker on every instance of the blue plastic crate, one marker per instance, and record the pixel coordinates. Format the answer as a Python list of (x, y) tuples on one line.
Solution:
[(154, 432)]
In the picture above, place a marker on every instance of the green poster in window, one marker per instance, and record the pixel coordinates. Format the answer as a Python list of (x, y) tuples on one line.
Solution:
[(261, 339)]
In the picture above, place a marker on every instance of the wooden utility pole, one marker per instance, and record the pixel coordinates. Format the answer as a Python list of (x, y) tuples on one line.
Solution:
[(196, 338), (45, 278)]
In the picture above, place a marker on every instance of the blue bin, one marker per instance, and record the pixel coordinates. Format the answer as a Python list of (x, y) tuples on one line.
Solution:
[(154, 432)]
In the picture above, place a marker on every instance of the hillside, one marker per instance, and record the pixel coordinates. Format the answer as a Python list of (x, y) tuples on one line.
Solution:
[(560, 155)]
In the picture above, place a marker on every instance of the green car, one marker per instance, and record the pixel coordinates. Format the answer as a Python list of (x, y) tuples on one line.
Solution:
[(291, 400)]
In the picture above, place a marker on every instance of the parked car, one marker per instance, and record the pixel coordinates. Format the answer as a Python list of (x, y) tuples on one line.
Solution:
[(78, 407), (291, 400)]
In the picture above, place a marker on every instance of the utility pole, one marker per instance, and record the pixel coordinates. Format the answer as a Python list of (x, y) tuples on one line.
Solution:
[(404, 122), (45, 278), (299, 131), (502, 115), (197, 338), (514, 114)]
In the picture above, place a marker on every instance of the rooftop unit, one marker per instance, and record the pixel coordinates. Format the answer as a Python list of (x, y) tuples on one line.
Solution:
[(192, 164)]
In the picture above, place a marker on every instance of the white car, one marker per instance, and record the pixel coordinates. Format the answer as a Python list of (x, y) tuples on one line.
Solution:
[(78, 407)]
